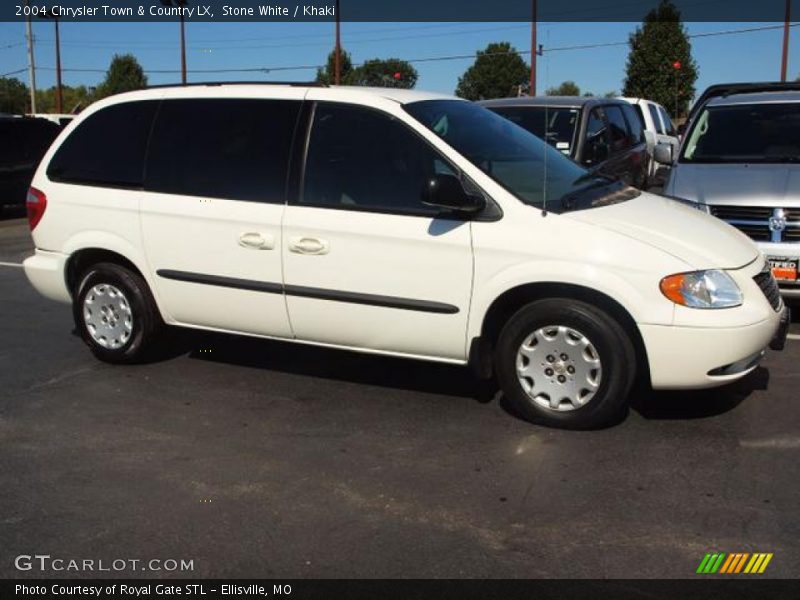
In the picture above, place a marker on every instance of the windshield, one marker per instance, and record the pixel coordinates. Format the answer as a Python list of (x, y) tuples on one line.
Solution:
[(555, 125), (533, 171), (755, 133)]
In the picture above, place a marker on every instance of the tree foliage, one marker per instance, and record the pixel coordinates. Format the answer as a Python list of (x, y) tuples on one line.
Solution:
[(327, 75), (125, 74), (498, 72), (390, 72), (567, 88), (14, 96), (75, 99), (656, 48)]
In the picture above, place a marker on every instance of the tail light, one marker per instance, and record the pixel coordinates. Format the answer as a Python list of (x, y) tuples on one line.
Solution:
[(36, 203)]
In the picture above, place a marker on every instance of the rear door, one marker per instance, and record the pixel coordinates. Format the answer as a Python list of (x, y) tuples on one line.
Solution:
[(215, 191)]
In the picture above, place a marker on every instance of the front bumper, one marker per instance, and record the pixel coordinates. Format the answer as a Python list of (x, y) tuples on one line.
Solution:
[(704, 357), (46, 272)]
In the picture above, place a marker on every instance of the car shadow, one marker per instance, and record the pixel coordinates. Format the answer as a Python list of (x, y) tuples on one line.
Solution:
[(698, 404), (430, 377), (330, 363)]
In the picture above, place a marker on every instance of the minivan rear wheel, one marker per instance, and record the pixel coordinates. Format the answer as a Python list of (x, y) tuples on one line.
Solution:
[(115, 313), (565, 363)]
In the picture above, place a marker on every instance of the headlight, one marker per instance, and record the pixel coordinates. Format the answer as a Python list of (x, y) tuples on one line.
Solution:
[(702, 289)]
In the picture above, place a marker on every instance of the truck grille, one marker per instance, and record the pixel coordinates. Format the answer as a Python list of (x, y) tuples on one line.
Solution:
[(769, 286), (763, 224)]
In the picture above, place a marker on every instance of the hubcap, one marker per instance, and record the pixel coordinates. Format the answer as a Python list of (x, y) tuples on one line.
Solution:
[(559, 368), (107, 315)]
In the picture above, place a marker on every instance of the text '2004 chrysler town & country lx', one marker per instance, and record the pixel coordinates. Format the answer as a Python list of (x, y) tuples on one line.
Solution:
[(392, 222)]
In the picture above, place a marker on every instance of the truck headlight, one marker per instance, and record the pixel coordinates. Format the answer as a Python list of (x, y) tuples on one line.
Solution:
[(702, 289)]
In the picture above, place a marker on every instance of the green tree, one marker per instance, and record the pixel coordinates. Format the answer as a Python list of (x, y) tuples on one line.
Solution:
[(390, 72), (567, 88), (14, 96), (498, 71), (660, 65), (327, 74), (125, 74), (75, 99)]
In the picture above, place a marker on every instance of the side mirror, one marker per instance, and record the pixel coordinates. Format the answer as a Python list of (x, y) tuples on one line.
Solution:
[(446, 191), (663, 154)]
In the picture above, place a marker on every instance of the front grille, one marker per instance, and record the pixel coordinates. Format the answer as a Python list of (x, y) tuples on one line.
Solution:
[(754, 213), (769, 286), (762, 223)]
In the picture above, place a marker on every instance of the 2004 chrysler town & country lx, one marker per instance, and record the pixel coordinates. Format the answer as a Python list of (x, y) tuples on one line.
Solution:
[(392, 222)]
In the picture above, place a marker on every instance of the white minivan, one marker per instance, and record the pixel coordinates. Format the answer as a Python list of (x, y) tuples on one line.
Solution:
[(391, 222)]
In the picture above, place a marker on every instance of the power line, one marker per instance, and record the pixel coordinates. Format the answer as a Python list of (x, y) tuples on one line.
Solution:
[(22, 70)]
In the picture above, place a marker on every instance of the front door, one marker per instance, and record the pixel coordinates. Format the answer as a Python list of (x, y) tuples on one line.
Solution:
[(366, 263)]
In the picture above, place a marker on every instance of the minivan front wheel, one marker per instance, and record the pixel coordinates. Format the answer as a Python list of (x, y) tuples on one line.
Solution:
[(115, 313), (565, 363)]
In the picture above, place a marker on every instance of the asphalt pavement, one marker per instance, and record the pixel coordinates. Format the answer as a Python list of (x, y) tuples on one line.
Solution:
[(262, 459)]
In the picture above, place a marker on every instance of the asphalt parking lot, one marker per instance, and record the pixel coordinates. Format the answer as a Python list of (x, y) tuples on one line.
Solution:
[(262, 459)]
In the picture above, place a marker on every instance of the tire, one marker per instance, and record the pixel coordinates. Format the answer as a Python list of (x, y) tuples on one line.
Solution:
[(598, 377), (132, 322)]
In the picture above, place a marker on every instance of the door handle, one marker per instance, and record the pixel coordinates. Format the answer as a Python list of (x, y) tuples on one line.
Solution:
[(256, 241), (308, 245)]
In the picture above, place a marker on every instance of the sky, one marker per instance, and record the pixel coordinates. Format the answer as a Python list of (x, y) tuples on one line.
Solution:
[(747, 56)]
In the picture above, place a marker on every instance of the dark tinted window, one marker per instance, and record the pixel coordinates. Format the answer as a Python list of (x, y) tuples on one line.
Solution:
[(596, 147), (620, 138), (656, 120), (235, 149), (555, 125), (108, 148), (635, 123), (362, 159)]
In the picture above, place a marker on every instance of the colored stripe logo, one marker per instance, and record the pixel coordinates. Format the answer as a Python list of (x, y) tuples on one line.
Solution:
[(735, 562)]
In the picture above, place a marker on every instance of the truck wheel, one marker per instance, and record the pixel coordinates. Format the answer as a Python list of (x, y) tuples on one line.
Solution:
[(115, 313), (564, 363)]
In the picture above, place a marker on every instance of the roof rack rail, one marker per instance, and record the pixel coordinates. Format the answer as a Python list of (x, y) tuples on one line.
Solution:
[(219, 83)]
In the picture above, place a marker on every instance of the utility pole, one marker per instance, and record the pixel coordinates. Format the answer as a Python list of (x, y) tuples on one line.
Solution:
[(59, 90), (532, 91), (180, 4), (337, 59), (785, 57), (183, 50), (31, 62)]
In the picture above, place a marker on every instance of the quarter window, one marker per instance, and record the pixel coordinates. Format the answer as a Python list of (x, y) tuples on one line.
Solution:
[(108, 148), (362, 159), (235, 149)]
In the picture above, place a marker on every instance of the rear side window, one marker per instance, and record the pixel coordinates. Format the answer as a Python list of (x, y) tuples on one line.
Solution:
[(635, 123), (235, 149), (108, 148), (620, 137), (656, 119)]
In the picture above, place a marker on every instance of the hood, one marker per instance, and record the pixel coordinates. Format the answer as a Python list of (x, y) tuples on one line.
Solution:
[(696, 238), (743, 184)]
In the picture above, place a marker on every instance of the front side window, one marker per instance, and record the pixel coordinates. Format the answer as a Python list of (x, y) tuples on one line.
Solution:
[(234, 149), (596, 145), (620, 138), (635, 123), (668, 126), (108, 148), (532, 170), (757, 133), (362, 159), (555, 124), (656, 118)]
